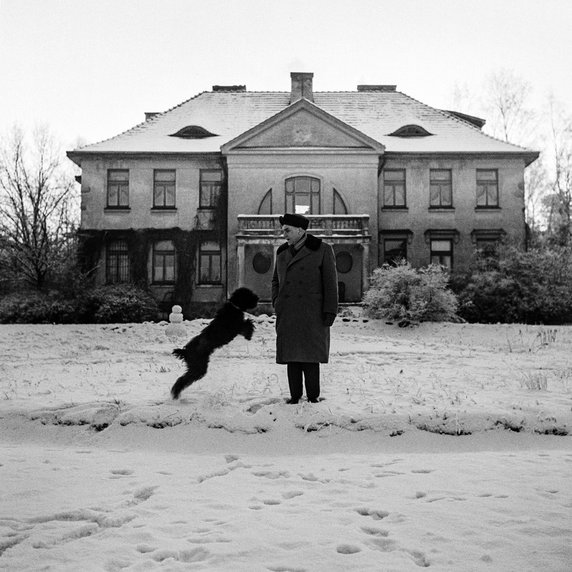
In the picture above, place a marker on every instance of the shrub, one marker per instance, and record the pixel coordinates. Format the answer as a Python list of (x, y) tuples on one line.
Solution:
[(527, 287), (120, 303), (37, 308), (403, 293)]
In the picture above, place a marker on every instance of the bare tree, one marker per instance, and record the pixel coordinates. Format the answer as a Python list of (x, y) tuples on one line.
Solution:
[(38, 206), (506, 104), (558, 202), (536, 188), (505, 101)]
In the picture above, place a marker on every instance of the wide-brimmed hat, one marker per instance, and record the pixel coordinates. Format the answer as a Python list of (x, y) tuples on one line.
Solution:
[(294, 220)]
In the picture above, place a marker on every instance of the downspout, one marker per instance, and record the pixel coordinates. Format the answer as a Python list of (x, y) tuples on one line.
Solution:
[(224, 167)]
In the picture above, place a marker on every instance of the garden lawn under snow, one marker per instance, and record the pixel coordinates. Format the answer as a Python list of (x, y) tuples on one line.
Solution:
[(443, 446)]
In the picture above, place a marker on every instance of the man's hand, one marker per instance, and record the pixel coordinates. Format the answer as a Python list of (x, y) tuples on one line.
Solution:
[(328, 318)]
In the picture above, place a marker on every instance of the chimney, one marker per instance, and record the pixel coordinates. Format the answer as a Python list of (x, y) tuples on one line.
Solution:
[(301, 86), (376, 87), (150, 114)]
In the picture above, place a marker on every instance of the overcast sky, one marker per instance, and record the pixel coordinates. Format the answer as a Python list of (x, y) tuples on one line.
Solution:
[(90, 69)]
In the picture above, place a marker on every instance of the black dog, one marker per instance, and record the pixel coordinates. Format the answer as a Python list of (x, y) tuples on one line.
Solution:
[(228, 323)]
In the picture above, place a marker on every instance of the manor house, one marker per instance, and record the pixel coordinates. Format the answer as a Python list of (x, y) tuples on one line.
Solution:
[(187, 202)]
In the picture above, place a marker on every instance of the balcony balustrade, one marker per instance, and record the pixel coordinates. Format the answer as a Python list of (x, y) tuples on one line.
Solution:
[(268, 226)]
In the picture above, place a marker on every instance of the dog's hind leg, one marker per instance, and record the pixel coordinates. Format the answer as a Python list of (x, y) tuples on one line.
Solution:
[(196, 371)]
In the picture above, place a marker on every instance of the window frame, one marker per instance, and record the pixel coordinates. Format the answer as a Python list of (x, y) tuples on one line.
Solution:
[(210, 254), (314, 196), (392, 261), (486, 184), (117, 264), (433, 252), (121, 188), (163, 186), (212, 188), (440, 183), (393, 184), (164, 254)]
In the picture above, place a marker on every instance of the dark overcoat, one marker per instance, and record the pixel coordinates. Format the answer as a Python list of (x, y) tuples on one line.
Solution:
[(304, 286)]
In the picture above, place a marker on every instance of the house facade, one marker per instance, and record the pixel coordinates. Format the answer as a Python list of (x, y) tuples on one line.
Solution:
[(187, 203)]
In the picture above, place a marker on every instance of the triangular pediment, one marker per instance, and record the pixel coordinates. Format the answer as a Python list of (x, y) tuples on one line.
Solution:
[(303, 125)]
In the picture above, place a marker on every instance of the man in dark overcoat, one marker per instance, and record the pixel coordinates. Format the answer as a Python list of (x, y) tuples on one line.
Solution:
[(305, 299)]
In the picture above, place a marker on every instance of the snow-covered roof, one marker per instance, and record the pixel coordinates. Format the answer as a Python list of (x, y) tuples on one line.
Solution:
[(377, 114)]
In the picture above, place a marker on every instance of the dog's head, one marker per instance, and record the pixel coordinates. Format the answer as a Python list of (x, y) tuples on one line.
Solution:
[(244, 298)]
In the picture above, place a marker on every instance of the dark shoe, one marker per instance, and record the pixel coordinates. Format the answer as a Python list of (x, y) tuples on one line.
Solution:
[(292, 401), (313, 400)]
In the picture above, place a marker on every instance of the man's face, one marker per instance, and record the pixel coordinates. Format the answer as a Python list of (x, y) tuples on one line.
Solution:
[(292, 234)]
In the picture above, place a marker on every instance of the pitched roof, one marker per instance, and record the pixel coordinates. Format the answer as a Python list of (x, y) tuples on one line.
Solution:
[(377, 114)]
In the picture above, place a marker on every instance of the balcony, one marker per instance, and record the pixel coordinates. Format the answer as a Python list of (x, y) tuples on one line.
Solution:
[(324, 226)]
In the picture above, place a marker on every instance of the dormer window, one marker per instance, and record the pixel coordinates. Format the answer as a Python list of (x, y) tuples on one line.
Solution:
[(411, 131), (193, 132)]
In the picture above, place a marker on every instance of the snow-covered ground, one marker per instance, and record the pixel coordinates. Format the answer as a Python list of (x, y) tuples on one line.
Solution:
[(443, 446)]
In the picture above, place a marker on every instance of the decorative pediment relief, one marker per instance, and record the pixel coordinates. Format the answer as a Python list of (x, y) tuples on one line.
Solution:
[(303, 125)]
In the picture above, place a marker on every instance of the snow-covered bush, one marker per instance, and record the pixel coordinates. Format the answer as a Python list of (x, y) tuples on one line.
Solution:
[(119, 303), (36, 308), (531, 287), (404, 293)]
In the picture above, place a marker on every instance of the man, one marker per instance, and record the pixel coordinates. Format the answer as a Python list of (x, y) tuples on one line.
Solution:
[(305, 298)]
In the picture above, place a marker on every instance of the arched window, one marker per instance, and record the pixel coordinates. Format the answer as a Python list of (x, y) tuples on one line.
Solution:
[(303, 195)]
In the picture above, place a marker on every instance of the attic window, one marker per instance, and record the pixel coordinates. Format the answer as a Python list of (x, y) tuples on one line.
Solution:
[(193, 132), (411, 131)]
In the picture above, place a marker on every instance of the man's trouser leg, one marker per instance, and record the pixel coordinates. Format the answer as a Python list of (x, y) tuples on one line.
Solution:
[(295, 370), (312, 378)]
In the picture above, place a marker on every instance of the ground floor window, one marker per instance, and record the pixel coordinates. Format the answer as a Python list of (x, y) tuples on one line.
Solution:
[(394, 250), (164, 262), (442, 253), (117, 262), (210, 263)]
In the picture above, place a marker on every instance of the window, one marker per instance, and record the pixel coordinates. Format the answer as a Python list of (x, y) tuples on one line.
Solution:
[(411, 131), (164, 261), (442, 252), (193, 132), (209, 263), (440, 188), (487, 248), (394, 188), (117, 262), (164, 189), (303, 195), (394, 250), (118, 188), (211, 185), (487, 242), (487, 188)]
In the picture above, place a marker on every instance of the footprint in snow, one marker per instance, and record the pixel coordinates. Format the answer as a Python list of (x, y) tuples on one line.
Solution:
[(347, 549), (374, 513), (118, 473)]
